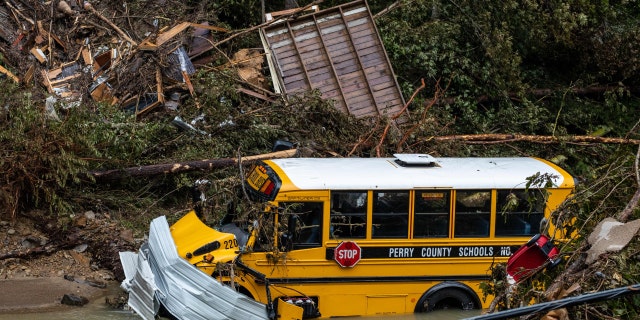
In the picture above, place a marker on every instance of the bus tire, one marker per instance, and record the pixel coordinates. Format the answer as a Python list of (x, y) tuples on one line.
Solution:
[(448, 295)]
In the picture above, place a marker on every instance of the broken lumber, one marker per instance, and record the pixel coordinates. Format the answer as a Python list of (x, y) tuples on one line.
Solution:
[(90, 8), (9, 74)]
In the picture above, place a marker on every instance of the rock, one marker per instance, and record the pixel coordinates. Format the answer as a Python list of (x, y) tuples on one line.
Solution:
[(27, 244), (90, 215), (81, 247), (81, 221), (127, 235), (11, 231), (73, 300)]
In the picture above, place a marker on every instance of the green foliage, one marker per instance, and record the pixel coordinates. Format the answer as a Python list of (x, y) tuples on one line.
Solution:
[(38, 160)]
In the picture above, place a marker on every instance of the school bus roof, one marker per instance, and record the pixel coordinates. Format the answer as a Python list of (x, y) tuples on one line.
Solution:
[(388, 174)]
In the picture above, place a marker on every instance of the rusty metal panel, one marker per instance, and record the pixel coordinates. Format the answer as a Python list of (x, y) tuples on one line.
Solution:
[(338, 52)]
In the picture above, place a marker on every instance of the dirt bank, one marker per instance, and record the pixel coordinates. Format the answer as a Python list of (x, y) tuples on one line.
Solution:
[(40, 264)]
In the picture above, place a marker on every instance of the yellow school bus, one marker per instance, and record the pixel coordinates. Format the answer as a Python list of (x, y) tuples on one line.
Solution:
[(381, 236)]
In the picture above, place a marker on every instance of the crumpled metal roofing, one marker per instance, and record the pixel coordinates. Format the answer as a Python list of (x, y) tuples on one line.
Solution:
[(157, 275)]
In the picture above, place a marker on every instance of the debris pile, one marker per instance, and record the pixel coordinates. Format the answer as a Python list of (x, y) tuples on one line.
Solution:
[(79, 50)]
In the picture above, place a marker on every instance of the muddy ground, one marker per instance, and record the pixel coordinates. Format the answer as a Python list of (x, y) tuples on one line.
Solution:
[(38, 266)]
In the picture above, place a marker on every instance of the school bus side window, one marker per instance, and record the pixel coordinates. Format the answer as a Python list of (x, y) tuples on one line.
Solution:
[(473, 213), (431, 214), (390, 214), (307, 217), (348, 214), (519, 212)]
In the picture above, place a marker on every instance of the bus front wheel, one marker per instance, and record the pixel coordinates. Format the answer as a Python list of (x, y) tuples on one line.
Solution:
[(448, 296)]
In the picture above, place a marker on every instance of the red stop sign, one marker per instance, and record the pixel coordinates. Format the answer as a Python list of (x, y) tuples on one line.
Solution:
[(347, 253)]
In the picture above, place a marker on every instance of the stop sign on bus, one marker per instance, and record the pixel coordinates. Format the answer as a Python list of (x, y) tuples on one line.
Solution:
[(347, 254)]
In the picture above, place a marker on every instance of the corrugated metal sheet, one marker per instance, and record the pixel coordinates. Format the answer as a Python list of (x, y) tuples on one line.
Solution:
[(158, 275), (337, 51)]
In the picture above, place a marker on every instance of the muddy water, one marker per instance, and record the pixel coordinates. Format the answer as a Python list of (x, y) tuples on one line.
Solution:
[(99, 310)]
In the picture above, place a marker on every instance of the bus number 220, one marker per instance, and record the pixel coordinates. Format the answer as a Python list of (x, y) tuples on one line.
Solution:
[(230, 244)]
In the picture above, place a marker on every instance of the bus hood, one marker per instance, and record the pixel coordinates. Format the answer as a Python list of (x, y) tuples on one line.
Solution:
[(201, 245)]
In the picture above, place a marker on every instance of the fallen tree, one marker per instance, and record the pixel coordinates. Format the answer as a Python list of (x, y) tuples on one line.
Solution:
[(182, 167)]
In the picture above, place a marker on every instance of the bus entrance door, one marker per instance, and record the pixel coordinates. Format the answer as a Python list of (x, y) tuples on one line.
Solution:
[(536, 254)]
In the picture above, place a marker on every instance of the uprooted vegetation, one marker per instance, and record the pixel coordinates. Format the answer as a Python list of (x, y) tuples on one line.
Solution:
[(228, 110)]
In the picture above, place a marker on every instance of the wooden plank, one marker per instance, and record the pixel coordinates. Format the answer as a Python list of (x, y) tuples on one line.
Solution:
[(292, 72), (329, 84), (298, 85), (330, 92), (347, 68), (342, 38), (317, 59), (372, 60), (38, 54), (318, 64), (341, 49), (309, 46), (389, 91), (166, 36), (289, 60), (369, 107), (337, 51), (294, 78), (382, 86), (320, 75), (286, 52), (347, 57), (359, 98), (365, 40), (313, 56), (9, 74)]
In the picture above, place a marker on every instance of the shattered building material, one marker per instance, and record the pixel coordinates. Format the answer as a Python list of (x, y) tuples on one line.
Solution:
[(179, 65), (58, 81), (39, 54), (610, 235), (249, 65), (275, 14), (141, 104), (337, 51)]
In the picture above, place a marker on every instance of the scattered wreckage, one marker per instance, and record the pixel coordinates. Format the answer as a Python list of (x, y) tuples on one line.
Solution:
[(336, 51)]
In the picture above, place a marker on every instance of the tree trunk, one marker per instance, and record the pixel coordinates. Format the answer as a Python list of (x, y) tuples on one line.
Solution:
[(181, 167)]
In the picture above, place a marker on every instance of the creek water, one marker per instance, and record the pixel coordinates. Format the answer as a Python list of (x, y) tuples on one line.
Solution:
[(99, 310)]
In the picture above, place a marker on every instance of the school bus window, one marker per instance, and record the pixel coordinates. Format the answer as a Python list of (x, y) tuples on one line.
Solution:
[(519, 212), (431, 217), (390, 217), (308, 223), (472, 213), (348, 214)]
